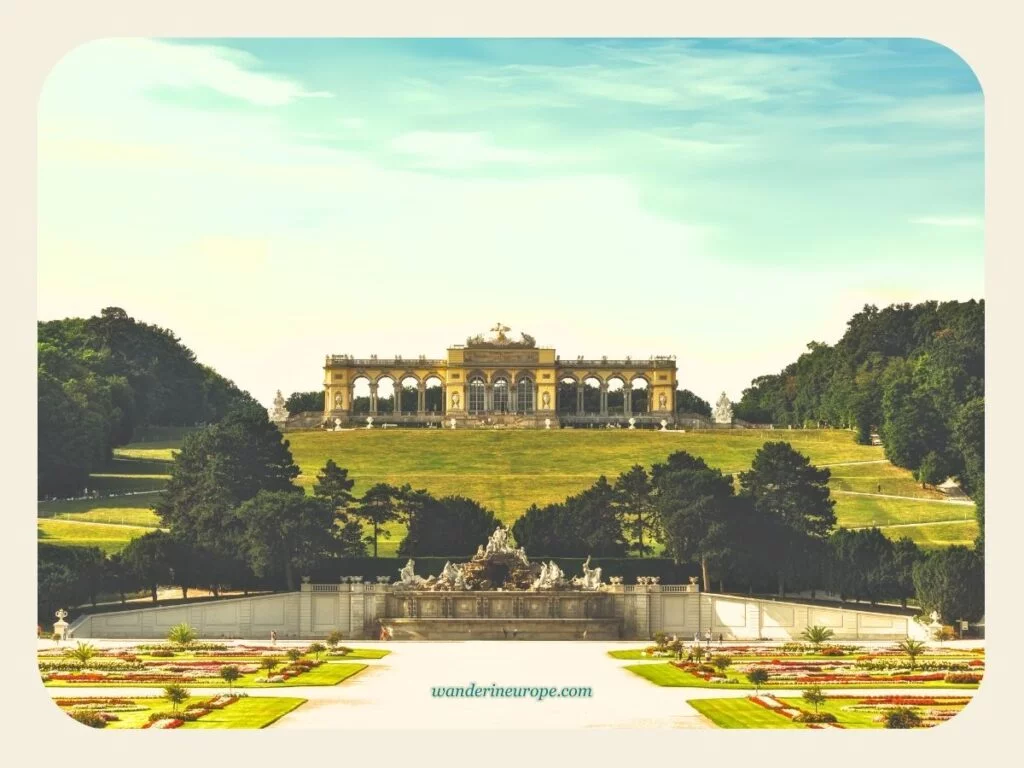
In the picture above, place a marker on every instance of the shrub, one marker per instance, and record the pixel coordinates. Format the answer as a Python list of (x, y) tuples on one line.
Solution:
[(294, 654), (343, 651), (721, 662), (815, 717), (316, 649), (91, 719), (83, 652), (817, 636), (902, 717), (963, 677), (660, 638), (833, 650), (757, 677), (706, 669), (162, 653), (182, 635), (176, 694), (333, 639)]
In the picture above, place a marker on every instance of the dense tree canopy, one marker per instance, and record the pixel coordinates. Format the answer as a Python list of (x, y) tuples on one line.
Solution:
[(218, 468), (913, 373), (452, 525), (103, 378), (585, 524), (952, 582), (688, 402), (298, 402)]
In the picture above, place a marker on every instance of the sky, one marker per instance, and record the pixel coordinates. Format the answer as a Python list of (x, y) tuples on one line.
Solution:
[(272, 201)]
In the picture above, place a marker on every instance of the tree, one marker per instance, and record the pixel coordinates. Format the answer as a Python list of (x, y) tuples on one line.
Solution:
[(150, 558), (794, 495), (230, 674), (687, 402), (913, 649), (300, 402), (635, 507), (335, 486), (951, 581), (815, 696), (333, 639), (453, 525), (817, 636), (269, 664), (285, 531), (378, 507), (316, 649), (294, 654), (721, 663), (693, 504), (350, 540), (933, 470), (219, 468), (757, 677), (176, 694)]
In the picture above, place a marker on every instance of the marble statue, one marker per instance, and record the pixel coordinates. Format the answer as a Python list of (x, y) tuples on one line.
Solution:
[(455, 400), (547, 423), (545, 400), (407, 577), (278, 414), (338, 400), (662, 402), (723, 410), (498, 542), (591, 578), (451, 422), (337, 425), (550, 577)]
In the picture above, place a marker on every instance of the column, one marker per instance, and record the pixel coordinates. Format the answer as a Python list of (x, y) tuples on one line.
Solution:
[(513, 398), (627, 400), (444, 398), (537, 406), (421, 398), (579, 398), (373, 398), (604, 398), (488, 397)]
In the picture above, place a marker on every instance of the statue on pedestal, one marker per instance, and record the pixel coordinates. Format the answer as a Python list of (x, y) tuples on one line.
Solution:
[(723, 410), (278, 413)]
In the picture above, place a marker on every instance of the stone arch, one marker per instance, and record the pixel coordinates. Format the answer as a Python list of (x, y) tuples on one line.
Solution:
[(639, 394), (433, 393), (408, 393), (593, 388), (385, 394), (360, 393), (567, 394), (525, 393), (615, 395)]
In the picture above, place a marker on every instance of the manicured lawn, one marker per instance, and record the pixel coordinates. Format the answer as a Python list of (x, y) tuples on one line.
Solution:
[(109, 538), (740, 713), (507, 471), (673, 677), (867, 511), (866, 478), (122, 510), (250, 712), (931, 536), (330, 673), (849, 712)]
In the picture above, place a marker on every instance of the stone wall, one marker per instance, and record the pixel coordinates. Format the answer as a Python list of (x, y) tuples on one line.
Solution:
[(354, 610)]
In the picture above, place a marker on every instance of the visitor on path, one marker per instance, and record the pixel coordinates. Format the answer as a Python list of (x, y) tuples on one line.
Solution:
[(504, 631), (719, 638), (515, 631), (273, 638), (707, 635), (696, 637), (879, 487)]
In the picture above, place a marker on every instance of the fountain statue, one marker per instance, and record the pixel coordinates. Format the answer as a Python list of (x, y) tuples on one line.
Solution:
[(591, 578)]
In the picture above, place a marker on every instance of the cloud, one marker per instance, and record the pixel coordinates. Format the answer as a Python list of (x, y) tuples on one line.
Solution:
[(130, 67), (962, 222), (455, 150)]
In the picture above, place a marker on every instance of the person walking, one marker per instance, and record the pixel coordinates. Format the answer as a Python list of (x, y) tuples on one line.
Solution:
[(273, 638)]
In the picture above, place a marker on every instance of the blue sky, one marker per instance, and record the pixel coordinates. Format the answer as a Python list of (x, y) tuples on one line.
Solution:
[(726, 201)]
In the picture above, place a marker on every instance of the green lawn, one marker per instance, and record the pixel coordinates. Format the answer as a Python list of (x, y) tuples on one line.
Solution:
[(251, 712), (123, 510), (931, 536), (672, 677), (508, 471), (866, 478), (740, 713), (331, 673), (109, 538), (743, 713)]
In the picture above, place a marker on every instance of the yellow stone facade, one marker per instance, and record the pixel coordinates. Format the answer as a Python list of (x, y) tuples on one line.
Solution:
[(498, 381)]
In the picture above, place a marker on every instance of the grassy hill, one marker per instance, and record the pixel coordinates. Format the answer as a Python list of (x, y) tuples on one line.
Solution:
[(509, 470)]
